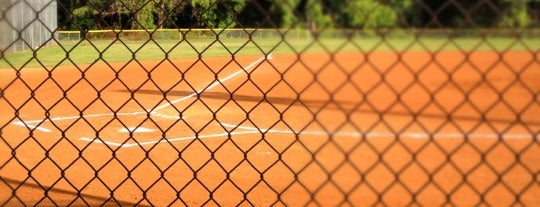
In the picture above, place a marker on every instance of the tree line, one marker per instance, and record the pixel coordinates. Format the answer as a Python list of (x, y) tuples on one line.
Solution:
[(312, 14)]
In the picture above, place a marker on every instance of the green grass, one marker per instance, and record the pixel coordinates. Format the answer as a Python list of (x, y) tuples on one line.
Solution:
[(87, 52)]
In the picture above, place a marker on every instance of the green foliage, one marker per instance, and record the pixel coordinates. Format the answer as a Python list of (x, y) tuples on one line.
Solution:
[(311, 14), (316, 17), (283, 13), (516, 16), (370, 14), (98, 5), (218, 14), (144, 18), (405, 10), (402, 5), (166, 11), (82, 17), (87, 14), (65, 11)]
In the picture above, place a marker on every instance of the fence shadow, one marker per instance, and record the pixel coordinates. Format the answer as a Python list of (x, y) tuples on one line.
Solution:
[(345, 106), (74, 195)]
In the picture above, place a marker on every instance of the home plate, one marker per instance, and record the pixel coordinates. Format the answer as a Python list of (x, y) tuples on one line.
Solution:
[(136, 130)]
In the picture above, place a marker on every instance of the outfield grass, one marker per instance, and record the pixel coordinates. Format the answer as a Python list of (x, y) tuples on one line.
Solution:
[(77, 52)]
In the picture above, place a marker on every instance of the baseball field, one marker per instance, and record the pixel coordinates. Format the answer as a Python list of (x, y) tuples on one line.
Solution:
[(337, 121)]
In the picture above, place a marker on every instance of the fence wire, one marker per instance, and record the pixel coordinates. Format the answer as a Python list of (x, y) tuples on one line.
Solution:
[(269, 103)]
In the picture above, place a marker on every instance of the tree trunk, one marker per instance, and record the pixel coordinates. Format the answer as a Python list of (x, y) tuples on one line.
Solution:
[(161, 15)]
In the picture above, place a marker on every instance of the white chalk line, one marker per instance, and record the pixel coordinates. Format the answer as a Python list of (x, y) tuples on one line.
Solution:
[(138, 129), (164, 116), (374, 134), (31, 123), (214, 84), (163, 140), (62, 118), (30, 126), (254, 130)]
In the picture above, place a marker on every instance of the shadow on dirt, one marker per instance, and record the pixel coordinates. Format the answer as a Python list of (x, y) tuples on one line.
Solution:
[(345, 106), (70, 196)]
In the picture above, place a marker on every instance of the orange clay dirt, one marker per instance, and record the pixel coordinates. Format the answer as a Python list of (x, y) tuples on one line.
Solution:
[(441, 128)]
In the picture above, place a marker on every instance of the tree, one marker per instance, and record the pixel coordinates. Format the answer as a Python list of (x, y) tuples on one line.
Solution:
[(517, 15), (405, 11), (90, 14), (316, 17), (311, 14), (65, 13), (138, 12), (217, 14), (82, 18), (166, 11), (477, 14), (284, 13), (143, 15), (370, 14)]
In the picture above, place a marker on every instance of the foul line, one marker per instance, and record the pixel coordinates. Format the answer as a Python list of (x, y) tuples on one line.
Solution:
[(31, 124), (163, 140), (61, 118), (213, 85), (254, 130), (414, 135), (34, 124)]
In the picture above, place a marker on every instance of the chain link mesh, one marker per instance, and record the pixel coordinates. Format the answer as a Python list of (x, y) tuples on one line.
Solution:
[(269, 103)]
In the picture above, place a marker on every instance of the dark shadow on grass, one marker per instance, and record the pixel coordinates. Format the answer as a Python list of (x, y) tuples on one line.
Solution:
[(314, 105), (90, 199)]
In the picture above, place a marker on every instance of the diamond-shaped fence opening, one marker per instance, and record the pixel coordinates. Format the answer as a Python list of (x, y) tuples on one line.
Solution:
[(269, 103)]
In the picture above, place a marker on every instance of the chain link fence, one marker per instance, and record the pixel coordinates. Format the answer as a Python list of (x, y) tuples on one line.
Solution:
[(269, 103)]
